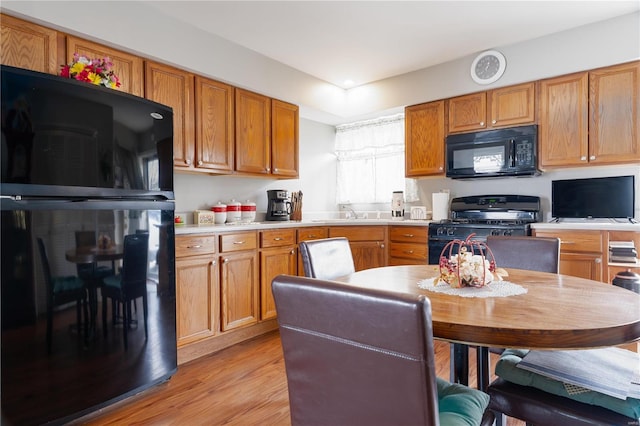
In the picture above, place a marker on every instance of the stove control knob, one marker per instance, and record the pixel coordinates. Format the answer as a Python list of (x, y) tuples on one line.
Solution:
[(450, 231), (440, 231), (495, 232), (507, 232)]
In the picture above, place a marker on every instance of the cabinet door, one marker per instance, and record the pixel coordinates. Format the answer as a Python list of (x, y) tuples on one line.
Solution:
[(468, 112), (239, 288), (424, 139), (614, 105), (127, 67), (197, 307), (513, 105), (30, 46), (368, 254), (214, 125), (284, 139), (584, 265), (273, 262), (175, 88), (563, 133), (253, 122)]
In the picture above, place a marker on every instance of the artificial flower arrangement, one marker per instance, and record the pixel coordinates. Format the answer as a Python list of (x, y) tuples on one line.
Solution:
[(95, 71), (472, 266)]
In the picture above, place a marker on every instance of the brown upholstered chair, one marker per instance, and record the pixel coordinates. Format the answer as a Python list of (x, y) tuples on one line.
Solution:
[(358, 356), (531, 253), (327, 258)]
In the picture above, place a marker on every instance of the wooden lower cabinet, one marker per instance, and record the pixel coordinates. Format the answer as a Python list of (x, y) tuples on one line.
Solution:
[(239, 280), (197, 289), (581, 252), (307, 234), (408, 245), (278, 255), (368, 244)]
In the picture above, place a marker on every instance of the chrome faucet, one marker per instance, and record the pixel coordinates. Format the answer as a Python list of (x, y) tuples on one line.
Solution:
[(350, 212)]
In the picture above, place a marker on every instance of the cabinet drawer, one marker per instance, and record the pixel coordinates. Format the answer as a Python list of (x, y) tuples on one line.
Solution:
[(277, 238), (358, 233), (408, 234), (576, 241), (408, 251), (238, 242), (192, 245), (312, 233)]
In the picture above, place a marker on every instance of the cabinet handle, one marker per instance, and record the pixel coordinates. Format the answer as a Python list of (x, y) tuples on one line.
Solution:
[(188, 162), (482, 123), (494, 121), (194, 247), (408, 251), (583, 158), (239, 242), (277, 239), (408, 235), (311, 236), (593, 157)]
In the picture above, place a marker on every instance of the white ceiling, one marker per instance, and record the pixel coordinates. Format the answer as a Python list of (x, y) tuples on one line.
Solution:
[(366, 41)]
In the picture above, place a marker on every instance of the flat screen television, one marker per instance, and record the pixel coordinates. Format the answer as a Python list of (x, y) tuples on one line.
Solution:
[(606, 197)]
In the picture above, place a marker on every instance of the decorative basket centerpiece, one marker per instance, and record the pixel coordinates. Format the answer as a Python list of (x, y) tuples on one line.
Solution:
[(468, 263)]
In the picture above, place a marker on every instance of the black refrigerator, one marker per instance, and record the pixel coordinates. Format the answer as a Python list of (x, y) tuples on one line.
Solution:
[(86, 171)]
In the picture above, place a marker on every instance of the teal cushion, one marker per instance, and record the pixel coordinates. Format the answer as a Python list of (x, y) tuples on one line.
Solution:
[(69, 283), (113, 281), (460, 405), (507, 369)]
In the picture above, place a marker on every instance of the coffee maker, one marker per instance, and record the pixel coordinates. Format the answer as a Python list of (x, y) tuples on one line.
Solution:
[(278, 205)]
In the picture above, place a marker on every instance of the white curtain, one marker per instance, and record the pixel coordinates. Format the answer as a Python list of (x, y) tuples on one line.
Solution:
[(371, 161)]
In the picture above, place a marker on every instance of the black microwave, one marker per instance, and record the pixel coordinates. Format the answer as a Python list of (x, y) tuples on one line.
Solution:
[(493, 153)]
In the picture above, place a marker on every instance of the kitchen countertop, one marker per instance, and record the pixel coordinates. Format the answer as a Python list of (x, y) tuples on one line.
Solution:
[(584, 225), (198, 229)]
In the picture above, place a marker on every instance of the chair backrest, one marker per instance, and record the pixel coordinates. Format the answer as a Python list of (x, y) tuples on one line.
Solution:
[(326, 258), (355, 355), (134, 260), (532, 253), (85, 238), (46, 269)]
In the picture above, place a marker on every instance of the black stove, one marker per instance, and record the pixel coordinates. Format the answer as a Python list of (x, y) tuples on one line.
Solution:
[(483, 215)]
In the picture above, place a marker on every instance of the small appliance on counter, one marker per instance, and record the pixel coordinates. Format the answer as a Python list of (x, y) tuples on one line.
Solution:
[(397, 205), (278, 205)]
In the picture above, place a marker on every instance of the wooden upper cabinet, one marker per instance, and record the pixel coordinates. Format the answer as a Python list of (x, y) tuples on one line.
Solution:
[(284, 139), (175, 88), (614, 114), (467, 113), (424, 139), (563, 133), (30, 46), (129, 68), (253, 133), (503, 107), (214, 125)]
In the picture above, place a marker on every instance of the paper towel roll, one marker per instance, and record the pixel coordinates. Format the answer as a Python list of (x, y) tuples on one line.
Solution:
[(440, 205)]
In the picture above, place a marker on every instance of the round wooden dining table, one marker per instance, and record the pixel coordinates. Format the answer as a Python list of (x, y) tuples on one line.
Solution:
[(556, 312)]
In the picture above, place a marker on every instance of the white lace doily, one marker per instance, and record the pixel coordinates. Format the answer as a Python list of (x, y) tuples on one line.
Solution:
[(494, 289)]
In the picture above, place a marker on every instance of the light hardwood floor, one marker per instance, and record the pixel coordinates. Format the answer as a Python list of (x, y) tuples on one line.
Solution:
[(241, 385)]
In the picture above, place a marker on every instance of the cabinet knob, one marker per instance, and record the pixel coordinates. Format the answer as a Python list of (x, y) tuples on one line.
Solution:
[(213, 262), (598, 260), (482, 123), (188, 162), (441, 168), (583, 158), (225, 260), (292, 252), (382, 245), (199, 162), (275, 170), (494, 121), (268, 169), (593, 157)]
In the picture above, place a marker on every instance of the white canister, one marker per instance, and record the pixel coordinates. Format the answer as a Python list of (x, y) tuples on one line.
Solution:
[(233, 211), (397, 205), (219, 213), (248, 211)]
